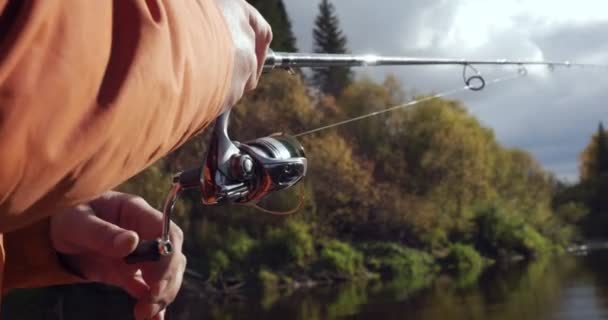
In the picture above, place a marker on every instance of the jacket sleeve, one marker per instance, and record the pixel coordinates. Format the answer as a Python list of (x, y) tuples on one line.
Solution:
[(91, 93), (32, 260)]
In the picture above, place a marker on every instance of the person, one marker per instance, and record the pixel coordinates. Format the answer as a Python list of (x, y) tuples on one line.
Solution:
[(91, 93)]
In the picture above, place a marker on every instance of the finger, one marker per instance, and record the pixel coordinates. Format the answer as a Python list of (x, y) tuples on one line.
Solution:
[(263, 37), (160, 315), (134, 285), (164, 278), (250, 60), (167, 288), (148, 310), (131, 213), (164, 290), (81, 231)]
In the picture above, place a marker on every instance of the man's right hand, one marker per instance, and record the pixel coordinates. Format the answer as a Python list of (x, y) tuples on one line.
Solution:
[(251, 35)]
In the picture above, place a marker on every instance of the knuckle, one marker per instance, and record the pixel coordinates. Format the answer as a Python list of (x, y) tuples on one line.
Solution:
[(253, 62), (137, 200), (172, 294), (104, 230), (178, 233), (184, 261)]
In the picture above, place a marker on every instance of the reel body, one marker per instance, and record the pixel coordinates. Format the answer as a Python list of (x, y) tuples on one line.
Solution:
[(242, 173)]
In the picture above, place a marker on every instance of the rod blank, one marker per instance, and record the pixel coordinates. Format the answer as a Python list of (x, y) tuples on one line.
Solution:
[(287, 60)]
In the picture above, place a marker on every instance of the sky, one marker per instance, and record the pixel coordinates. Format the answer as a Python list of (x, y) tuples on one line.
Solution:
[(550, 114)]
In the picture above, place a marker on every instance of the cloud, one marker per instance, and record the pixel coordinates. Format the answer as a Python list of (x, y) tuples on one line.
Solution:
[(550, 114)]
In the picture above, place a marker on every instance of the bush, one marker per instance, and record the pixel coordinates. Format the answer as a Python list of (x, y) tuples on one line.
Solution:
[(290, 244), (340, 258), (436, 239), (532, 242), (501, 233), (268, 278), (218, 251), (572, 212), (238, 244), (464, 258), (218, 263), (392, 260)]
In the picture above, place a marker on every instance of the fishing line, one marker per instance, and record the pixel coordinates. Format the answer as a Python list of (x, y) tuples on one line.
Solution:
[(522, 72)]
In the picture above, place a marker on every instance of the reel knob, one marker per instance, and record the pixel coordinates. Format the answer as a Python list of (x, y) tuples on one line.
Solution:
[(241, 167)]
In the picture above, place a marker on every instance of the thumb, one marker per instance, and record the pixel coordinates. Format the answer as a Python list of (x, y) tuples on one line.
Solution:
[(81, 231)]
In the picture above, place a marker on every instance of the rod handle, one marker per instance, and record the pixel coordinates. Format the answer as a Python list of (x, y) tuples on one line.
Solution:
[(146, 251)]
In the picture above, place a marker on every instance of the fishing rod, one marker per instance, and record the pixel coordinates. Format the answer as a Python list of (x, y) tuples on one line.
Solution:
[(245, 173)]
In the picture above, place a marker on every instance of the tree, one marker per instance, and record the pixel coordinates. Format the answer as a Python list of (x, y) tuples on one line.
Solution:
[(602, 151), (594, 159), (594, 183), (328, 38), (275, 13)]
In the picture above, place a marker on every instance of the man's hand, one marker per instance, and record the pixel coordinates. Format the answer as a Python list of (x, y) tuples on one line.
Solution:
[(94, 238), (251, 35)]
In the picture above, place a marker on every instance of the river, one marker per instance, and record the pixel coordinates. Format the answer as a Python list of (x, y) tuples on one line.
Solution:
[(569, 287)]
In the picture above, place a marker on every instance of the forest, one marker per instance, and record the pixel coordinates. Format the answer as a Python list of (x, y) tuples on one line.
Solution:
[(422, 190)]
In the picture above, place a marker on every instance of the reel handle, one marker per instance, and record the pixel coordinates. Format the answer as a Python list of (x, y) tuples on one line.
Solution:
[(146, 251), (154, 250)]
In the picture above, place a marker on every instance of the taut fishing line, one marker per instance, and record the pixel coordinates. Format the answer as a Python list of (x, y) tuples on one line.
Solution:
[(522, 72)]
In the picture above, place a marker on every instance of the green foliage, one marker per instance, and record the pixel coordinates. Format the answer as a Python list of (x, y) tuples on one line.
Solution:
[(217, 250), (593, 188), (340, 258), (572, 212), (218, 263), (392, 260), (268, 278), (594, 159), (464, 259), (287, 245), (502, 234), (435, 239), (347, 302), (238, 244)]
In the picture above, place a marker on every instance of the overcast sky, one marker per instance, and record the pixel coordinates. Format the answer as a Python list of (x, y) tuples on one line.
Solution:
[(552, 115)]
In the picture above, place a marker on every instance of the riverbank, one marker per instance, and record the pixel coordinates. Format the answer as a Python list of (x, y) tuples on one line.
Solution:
[(291, 259)]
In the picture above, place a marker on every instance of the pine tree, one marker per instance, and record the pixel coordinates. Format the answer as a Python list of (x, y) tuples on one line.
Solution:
[(328, 38), (602, 151), (275, 13)]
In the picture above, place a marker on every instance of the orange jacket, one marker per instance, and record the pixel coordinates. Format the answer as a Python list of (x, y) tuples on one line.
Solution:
[(91, 93)]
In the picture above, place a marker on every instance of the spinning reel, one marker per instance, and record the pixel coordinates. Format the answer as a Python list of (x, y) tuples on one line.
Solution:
[(232, 173), (245, 173)]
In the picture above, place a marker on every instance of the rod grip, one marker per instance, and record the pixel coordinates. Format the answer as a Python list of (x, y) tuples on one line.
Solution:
[(146, 251)]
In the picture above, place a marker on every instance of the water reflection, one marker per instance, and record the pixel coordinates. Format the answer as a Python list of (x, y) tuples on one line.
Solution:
[(566, 288)]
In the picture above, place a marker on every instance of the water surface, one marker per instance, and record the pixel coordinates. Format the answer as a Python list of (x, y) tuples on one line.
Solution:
[(570, 287)]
